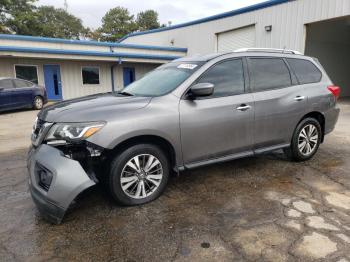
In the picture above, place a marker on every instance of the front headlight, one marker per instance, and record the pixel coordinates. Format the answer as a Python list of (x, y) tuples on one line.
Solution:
[(73, 131)]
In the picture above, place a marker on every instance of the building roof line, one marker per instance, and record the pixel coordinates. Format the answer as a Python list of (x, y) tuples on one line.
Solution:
[(88, 42), (86, 53), (210, 18)]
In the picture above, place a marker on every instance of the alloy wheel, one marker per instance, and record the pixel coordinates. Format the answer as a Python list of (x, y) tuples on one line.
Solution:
[(141, 176), (38, 102), (308, 139)]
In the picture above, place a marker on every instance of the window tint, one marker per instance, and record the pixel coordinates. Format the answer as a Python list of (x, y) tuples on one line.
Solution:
[(305, 71), (91, 75), (21, 83), (227, 77), (27, 73), (6, 83), (268, 73)]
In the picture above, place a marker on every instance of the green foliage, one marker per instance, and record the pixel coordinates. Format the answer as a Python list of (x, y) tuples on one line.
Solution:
[(25, 18), (56, 22), (17, 16), (116, 23), (147, 20)]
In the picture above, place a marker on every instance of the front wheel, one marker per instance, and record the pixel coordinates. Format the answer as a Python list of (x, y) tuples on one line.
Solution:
[(306, 140), (139, 174)]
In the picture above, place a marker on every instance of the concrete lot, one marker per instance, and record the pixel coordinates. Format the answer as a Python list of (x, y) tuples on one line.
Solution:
[(257, 209)]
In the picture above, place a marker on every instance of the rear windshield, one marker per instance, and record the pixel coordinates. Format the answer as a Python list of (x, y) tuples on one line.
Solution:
[(163, 80), (305, 71)]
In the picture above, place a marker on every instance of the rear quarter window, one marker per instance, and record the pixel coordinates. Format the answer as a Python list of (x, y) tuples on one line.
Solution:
[(305, 71), (20, 83), (6, 83)]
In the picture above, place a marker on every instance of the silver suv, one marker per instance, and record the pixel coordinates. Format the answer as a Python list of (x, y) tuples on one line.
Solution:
[(185, 114)]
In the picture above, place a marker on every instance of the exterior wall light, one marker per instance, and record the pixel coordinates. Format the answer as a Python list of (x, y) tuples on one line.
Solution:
[(268, 28)]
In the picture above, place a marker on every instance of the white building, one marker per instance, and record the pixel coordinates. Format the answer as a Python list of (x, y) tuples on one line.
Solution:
[(319, 28), (73, 68)]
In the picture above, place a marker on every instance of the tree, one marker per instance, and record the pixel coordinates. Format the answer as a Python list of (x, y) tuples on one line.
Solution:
[(116, 23), (57, 22), (18, 16), (147, 20), (24, 18)]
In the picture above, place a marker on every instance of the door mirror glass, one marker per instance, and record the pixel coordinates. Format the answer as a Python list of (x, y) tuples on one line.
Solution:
[(202, 89)]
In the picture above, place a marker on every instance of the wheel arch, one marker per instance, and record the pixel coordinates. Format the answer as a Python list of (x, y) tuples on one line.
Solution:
[(319, 117), (38, 95), (159, 141)]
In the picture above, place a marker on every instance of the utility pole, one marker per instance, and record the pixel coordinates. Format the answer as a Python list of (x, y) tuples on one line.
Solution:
[(65, 5)]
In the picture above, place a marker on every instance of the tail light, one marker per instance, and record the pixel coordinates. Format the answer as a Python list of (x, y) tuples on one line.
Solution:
[(335, 90)]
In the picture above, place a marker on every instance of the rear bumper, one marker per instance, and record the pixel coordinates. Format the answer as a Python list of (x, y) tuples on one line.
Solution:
[(68, 181)]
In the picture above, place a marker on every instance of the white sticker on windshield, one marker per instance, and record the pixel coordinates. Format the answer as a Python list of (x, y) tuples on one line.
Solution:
[(187, 66)]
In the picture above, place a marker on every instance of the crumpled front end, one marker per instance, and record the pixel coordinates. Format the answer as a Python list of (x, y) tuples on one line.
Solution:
[(55, 180)]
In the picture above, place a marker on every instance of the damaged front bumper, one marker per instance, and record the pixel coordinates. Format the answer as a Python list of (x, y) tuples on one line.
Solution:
[(55, 181)]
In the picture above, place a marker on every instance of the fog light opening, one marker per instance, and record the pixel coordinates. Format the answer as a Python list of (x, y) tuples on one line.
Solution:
[(44, 177)]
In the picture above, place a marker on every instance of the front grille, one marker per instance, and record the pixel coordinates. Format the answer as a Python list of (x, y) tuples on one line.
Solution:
[(40, 129), (38, 126)]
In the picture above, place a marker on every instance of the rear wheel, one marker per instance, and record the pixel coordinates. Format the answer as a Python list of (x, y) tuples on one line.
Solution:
[(139, 174), (306, 140), (38, 103)]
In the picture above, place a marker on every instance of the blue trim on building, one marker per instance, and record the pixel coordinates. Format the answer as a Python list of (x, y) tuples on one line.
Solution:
[(86, 53), (211, 18), (87, 42)]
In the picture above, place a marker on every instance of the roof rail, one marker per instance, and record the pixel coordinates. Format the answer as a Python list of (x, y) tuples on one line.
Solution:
[(269, 50)]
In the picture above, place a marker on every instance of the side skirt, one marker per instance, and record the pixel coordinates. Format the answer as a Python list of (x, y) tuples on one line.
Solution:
[(270, 148), (232, 157)]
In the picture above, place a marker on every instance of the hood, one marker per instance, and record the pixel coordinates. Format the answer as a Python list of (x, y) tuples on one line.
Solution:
[(99, 107)]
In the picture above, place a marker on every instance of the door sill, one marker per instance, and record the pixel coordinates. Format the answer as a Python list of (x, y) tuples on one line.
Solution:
[(219, 160), (270, 148), (233, 156)]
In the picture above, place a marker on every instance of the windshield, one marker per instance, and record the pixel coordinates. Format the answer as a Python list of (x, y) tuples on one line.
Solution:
[(162, 80)]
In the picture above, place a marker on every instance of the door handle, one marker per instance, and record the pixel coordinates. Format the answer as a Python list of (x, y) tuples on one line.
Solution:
[(243, 107), (299, 98)]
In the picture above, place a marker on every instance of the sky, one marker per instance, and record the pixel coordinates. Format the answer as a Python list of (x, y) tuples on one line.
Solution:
[(176, 11)]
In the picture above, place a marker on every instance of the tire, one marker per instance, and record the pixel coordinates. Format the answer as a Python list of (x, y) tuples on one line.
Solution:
[(301, 136), (123, 173), (38, 103)]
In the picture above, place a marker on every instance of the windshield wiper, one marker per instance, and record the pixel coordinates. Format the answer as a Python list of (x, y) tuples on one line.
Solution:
[(124, 93)]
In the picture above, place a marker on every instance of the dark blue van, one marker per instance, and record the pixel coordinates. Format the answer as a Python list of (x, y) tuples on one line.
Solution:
[(17, 93)]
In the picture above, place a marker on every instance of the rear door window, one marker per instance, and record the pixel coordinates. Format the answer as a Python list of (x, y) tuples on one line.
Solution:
[(305, 71), (227, 77), (21, 83), (268, 73), (6, 83)]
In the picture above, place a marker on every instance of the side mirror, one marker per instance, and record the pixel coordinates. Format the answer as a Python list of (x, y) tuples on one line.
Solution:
[(1, 88), (202, 89)]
